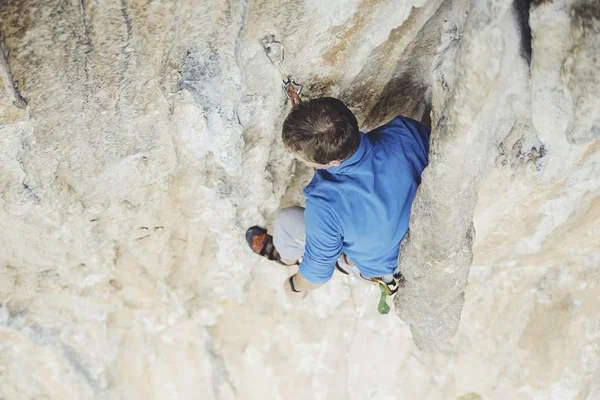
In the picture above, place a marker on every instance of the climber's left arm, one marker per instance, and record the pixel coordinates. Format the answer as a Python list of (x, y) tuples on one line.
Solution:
[(300, 284), (322, 249)]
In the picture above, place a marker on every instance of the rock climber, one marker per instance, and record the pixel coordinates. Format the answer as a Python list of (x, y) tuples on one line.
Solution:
[(358, 202)]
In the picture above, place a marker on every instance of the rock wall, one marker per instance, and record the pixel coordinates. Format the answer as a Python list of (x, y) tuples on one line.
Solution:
[(523, 112), (139, 139)]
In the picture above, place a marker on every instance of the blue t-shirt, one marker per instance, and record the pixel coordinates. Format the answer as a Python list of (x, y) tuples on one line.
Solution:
[(362, 207)]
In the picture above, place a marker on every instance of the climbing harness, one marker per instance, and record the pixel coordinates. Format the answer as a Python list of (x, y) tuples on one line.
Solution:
[(388, 289), (275, 52)]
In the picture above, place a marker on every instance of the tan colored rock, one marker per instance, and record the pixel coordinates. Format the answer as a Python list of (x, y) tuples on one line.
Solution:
[(138, 141)]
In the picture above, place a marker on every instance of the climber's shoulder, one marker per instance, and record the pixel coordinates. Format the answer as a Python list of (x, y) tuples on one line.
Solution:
[(322, 188), (403, 131), (403, 126)]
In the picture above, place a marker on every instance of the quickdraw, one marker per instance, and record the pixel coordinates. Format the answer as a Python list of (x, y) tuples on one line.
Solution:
[(387, 290), (275, 52)]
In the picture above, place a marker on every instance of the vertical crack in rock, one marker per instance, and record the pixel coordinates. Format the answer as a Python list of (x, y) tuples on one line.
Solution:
[(5, 69), (220, 375), (127, 20), (78, 366), (126, 53), (245, 12), (88, 40), (522, 11), (238, 40)]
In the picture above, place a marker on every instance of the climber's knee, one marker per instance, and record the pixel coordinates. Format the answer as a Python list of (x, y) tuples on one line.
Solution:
[(288, 233)]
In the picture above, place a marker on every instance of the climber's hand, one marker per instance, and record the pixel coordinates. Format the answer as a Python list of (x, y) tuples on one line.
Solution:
[(289, 293)]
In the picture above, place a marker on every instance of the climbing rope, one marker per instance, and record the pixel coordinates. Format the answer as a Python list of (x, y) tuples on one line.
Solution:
[(275, 52)]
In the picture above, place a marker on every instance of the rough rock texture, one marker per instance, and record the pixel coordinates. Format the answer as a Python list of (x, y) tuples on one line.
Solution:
[(492, 95), (139, 139)]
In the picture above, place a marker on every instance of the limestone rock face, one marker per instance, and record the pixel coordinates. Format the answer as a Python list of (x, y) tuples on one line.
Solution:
[(139, 139)]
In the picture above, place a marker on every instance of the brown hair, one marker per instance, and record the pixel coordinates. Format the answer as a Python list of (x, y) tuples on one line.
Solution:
[(321, 130)]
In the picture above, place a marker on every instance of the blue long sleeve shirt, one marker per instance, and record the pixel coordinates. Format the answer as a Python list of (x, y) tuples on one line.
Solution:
[(362, 207)]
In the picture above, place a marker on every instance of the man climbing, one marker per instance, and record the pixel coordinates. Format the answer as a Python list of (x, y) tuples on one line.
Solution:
[(358, 201)]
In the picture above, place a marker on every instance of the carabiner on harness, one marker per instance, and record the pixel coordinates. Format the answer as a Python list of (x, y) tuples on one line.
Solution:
[(387, 290)]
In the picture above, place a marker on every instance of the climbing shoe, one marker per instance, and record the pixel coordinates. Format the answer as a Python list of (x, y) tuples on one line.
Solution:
[(262, 244)]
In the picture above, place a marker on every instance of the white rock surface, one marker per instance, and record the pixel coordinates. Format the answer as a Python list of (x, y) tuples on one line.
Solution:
[(138, 141)]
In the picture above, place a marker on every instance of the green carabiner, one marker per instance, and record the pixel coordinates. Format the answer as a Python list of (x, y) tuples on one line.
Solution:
[(383, 306)]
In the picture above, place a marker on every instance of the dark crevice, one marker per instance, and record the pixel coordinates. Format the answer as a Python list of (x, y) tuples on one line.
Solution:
[(19, 100), (237, 51), (403, 95), (426, 117), (127, 19), (522, 8), (406, 92), (588, 14)]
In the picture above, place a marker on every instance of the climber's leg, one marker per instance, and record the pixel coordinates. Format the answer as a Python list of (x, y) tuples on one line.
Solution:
[(288, 233)]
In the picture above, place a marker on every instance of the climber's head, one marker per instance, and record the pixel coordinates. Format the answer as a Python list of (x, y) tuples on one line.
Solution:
[(321, 132)]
